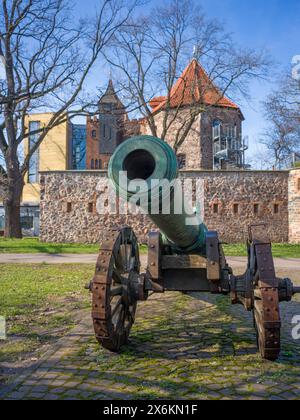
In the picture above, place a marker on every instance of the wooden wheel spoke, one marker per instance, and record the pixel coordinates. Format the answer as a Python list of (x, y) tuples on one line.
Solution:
[(117, 276), (117, 306), (118, 261), (120, 320), (130, 316)]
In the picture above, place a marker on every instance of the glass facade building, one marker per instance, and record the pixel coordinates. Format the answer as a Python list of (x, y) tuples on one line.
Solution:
[(78, 147), (33, 173)]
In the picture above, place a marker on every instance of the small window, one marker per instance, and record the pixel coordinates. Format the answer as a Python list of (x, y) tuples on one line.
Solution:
[(100, 164), (96, 164), (217, 130), (91, 207), (92, 164), (94, 134), (236, 209), (256, 208), (276, 208), (34, 162), (69, 207), (216, 208), (181, 159)]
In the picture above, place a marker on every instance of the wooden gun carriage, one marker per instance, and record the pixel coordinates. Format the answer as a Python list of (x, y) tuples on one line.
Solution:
[(181, 257)]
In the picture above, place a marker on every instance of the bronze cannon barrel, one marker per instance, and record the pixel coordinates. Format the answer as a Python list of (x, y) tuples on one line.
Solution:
[(153, 161)]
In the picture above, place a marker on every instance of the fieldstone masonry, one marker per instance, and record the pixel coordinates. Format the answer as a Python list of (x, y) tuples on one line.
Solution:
[(191, 146), (294, 206), (232, 200)]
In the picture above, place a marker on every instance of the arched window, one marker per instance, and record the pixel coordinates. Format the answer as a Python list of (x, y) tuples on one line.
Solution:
[(96, 164), (100, 164), (94, 134), (92, 164)]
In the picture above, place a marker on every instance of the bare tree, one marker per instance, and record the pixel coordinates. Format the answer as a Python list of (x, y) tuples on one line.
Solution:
[(48, 57), (282, 111), (151, 53)]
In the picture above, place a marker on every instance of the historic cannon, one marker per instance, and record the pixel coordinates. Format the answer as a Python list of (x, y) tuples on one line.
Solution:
[(182, 256)]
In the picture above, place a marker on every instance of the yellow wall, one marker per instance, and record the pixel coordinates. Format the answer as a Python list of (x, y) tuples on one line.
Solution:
[(53, 153)]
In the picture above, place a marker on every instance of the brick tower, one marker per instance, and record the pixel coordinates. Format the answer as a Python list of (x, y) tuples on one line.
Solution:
[(105, 133)]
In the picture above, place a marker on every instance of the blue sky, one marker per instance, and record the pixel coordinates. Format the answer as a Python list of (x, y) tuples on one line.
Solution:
[(270, 24)]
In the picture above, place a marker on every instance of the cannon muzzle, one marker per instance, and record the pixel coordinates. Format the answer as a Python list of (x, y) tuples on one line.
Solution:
[(147, 166)]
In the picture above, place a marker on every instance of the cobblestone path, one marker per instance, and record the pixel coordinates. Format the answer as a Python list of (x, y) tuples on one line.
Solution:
[(195, 347)]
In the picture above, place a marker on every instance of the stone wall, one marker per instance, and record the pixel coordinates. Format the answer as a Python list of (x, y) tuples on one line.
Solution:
[(294, 206), (232, 201)]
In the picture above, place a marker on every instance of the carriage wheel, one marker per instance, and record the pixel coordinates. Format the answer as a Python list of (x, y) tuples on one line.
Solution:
[(114, 304)]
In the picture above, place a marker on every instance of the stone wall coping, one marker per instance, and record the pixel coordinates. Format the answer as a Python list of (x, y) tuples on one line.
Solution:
[(188, 171)]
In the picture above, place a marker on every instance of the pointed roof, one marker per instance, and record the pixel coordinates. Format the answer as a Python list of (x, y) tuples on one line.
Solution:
[(193, 86), (110, 97)]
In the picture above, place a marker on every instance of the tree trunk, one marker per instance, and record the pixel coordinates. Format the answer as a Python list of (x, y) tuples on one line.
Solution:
[(12, 207)]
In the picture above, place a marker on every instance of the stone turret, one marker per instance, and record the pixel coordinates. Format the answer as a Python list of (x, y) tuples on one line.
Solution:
[(112, 117), (110, 102)]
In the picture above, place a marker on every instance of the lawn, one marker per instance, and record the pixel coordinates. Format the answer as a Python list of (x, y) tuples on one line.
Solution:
[(279, 250), (33, 246), (40, 303)]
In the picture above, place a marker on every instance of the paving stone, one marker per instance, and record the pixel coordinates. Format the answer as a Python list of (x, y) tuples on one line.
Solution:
[(176, 351), (58, 391), (36, 396), (51, 397), (17, 395)]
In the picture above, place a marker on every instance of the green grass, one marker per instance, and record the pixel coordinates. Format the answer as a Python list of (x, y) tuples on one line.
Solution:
[(33, 246), (279, 250), (40, 304)]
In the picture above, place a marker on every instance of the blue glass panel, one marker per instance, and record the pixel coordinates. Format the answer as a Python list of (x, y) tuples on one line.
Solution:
[(78, 147), (33, 173)]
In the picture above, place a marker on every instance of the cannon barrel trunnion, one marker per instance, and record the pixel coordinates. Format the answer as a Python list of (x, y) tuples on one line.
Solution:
[(181, 256)]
